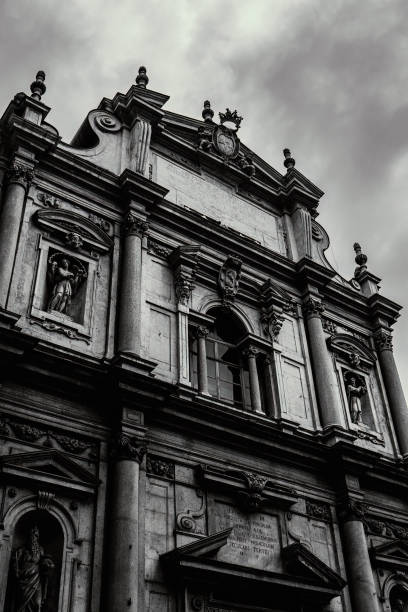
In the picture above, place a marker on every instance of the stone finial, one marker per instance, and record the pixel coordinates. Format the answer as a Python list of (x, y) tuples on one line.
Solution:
[(208, 112), (289, 162), (142, 79), (360, 259), (38, 87)]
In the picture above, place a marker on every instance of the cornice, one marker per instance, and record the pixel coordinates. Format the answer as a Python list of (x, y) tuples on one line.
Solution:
[(38, 139)]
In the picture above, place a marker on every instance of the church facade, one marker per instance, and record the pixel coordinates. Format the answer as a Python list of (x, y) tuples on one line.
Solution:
[(197, 412)]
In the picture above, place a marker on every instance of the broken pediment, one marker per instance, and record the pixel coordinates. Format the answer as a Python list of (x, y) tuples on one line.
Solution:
[(296, 572), (49, 469), (392, 555), (74, 229), (351, 350)]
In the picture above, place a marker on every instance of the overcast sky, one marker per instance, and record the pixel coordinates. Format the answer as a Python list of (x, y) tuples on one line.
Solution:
[(328, 79)]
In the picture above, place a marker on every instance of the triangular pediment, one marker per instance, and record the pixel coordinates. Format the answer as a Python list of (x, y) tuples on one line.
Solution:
[(301, 561), (302, 570), (392, 554), (49, 467)]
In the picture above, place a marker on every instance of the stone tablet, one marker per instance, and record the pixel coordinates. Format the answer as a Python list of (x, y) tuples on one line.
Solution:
[(254, 540)]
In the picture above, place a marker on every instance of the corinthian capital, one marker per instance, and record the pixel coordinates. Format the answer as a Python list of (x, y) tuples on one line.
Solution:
[(312, 307), (383, 340), (17, 173), (127, 447), (134, 226)]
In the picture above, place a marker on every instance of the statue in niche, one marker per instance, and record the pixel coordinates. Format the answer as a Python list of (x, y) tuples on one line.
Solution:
[(31, 567), (355, 388), (65, 276)]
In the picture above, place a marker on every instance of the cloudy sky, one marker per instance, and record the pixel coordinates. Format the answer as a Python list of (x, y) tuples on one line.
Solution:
[(327, 79)]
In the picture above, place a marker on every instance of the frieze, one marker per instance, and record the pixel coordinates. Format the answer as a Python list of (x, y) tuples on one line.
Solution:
[(31, 433), (48, 200), (386, 528), (318, 510), (155, 248), (329, 326), (160, 466)]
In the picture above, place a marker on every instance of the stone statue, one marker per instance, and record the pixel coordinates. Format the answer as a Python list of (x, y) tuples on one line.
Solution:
[(355, 390), (31, 570), (64, 278), (398, 606)]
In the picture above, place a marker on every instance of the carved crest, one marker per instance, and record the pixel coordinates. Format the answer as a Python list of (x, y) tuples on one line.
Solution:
[(225, 142), (228, 279)]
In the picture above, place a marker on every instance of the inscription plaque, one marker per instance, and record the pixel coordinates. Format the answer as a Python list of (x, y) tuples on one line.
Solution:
[(254, 540)]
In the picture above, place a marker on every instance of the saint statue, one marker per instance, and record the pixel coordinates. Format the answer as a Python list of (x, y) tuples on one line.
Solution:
[(31, 570), (64, 279), (355, 390)]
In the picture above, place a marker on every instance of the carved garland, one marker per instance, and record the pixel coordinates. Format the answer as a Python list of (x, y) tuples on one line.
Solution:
[(31, 433)]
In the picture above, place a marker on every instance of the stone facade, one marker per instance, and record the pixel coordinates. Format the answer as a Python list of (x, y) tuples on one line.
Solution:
[(197, 413)]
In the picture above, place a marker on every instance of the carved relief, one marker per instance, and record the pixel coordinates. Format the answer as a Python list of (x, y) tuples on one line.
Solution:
[(107, 122), (228, 279), (159, 466), (329, 326), (352, 510), (318, 510), (48, 200), (355, 388), (183, 286), (100, 222), (386, 528), (30, 433), (53, 327), (154, 248), (187, 520)]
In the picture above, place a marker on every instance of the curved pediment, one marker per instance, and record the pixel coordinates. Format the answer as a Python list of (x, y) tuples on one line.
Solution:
[(352, 350), (75, 229)]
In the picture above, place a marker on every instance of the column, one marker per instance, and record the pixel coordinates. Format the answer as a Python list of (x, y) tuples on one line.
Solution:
[(202, 333), (359, 573), (123, 552), (184, 286), (326, 387), (398, 404), (130, 305), (18, 178), (251, 354)]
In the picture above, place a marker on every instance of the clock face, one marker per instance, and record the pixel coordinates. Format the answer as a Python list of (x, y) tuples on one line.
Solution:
[(225, 142)]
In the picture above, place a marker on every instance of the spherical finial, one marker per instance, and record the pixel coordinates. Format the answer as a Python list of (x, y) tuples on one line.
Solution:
[(289, 162), (38, 87), (208, 112), (142, 79)]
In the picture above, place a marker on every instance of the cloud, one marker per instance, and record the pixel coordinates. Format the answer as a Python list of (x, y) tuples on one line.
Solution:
[(327, 79)]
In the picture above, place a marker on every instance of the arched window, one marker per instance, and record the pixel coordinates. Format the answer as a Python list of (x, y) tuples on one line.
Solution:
[(227, 364)]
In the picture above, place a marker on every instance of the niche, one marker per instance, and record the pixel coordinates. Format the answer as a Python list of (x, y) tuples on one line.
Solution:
[(35, 565)]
